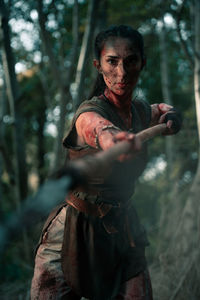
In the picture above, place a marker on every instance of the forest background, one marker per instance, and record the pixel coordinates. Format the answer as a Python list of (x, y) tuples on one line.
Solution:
[(46, 51)]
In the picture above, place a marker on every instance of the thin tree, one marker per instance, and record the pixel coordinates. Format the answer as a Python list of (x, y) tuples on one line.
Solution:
[(14, 102), (6, 163), (179, 272), (85, 50), (189, 221), (62, 81), (167, 203)]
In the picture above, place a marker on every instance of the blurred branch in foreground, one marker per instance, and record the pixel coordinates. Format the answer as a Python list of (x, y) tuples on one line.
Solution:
[(54, 191)]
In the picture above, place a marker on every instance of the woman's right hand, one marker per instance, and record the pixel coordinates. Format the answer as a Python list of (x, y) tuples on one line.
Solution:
[(133, 139)]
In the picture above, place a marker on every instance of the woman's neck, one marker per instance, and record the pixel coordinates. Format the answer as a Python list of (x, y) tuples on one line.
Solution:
[(121, 102), (123, 105)]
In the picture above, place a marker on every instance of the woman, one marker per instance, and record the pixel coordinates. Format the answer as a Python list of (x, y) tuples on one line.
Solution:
[(94, 245)]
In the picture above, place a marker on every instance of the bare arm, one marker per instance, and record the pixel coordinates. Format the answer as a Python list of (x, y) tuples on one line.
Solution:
[(98, 132)]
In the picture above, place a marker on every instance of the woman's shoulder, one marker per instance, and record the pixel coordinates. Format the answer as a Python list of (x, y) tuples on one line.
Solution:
[(95, 104)]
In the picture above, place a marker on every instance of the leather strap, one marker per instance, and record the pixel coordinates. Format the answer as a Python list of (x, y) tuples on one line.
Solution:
[(100, 211), (88, 208)]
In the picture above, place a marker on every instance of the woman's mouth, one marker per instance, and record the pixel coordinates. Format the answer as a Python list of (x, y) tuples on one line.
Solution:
[(121, 85)]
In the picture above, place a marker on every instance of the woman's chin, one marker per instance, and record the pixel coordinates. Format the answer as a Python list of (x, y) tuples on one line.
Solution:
[(123, 92)]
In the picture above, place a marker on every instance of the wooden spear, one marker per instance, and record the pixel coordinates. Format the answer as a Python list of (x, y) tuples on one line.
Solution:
[(104, 159), (54, 191)]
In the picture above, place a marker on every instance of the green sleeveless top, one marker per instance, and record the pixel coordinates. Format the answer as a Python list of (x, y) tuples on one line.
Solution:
[(119, 184)]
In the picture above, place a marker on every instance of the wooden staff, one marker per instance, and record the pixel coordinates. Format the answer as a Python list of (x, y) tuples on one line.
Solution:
[(54, 191), (99, 162)]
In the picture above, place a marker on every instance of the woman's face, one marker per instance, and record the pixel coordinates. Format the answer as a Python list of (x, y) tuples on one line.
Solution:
[(120, 64)]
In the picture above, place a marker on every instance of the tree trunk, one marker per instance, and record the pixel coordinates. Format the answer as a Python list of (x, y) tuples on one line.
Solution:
[(197, 63), (84, 53), (183, 43), (13, 96), (189, 224), (65, 92), (41, 119), (62, 82), (179, 272), (165, 82), (2, 125), (6, 164), (188, 229), (167, 202), (101, 24)]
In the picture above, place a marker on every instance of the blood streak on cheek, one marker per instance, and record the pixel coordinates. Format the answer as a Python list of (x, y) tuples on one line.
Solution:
[(108, 80)]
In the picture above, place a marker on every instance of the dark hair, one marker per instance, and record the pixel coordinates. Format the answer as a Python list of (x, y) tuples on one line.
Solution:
[(122, 31)]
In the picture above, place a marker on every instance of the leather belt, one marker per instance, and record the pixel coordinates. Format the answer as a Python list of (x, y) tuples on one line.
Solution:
[(99, 210), (96, 210)]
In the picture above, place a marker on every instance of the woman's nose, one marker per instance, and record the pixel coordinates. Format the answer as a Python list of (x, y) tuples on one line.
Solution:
[(121, 70)]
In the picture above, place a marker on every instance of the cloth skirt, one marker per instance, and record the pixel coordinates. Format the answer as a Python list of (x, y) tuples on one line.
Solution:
[(50, 282)]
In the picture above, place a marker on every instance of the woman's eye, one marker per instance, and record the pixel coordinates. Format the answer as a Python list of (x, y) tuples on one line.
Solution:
[(112, 61), (132, 59)]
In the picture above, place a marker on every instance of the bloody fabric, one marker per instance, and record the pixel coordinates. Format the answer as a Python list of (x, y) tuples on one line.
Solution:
[(49, 283), (137, 288), (95, 261)]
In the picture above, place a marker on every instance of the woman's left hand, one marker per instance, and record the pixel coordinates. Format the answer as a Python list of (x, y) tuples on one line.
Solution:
[(172, 118), (164, 113), (135, 142)]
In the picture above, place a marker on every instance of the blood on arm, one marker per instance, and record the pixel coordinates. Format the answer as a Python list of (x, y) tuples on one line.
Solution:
[(95, 131)]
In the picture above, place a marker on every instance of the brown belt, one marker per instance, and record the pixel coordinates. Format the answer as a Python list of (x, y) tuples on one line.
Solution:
[(86, 207), (100, 211)]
